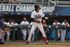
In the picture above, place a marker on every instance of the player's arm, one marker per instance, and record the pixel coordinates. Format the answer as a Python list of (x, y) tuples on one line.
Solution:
[(41, 13), (33, 16)]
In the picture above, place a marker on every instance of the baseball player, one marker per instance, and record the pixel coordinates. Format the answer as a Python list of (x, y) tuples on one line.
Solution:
[(9, 24), (65, 24), (24, 31), (37, 16), (56, 29)]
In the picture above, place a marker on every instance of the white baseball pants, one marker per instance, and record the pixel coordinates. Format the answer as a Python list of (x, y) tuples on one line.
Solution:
[(34, 26)]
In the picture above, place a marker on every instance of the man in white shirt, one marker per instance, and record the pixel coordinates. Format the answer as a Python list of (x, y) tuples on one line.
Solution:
[(37, 16), (65, 24), (24, 31)]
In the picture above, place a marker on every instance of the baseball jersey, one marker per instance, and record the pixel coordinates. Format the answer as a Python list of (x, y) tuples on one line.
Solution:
[(24, 23), (10, 24), (37, 15), (65, 24), (58, 23)]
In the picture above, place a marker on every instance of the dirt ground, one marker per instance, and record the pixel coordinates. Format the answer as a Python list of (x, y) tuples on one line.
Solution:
[(36, 44)]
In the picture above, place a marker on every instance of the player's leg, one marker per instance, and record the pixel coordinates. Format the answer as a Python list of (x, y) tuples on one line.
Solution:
[(33, 36), (24, 34), (40, 26), (8, 36), (63, 33), (31, 32)]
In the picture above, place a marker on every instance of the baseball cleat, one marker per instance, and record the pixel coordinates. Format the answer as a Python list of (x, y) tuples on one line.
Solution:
[(46, 42), (27, 42)]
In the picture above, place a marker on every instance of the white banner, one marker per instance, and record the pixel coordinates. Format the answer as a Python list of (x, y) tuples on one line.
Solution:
[(23, 8)]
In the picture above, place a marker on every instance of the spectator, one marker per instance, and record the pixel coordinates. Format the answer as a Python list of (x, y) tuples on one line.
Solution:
[(24, 22)]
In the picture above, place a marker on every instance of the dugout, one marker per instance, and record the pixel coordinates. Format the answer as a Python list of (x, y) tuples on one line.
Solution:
[(50, 20)]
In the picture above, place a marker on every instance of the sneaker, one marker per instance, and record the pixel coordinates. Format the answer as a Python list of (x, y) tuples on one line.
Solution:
[(46, 40)]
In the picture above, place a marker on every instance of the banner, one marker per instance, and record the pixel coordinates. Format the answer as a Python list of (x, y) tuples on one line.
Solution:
[(23, 8)]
